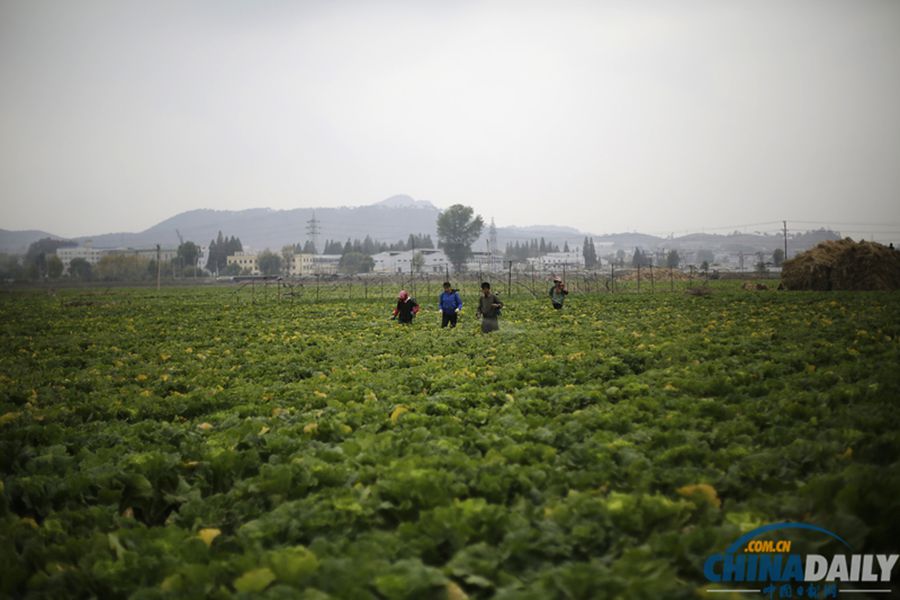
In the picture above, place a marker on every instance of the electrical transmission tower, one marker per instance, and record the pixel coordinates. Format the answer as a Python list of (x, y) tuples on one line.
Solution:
[(313, 229)]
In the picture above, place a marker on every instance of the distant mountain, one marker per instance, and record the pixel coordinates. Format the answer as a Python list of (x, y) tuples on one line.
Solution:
[(629, 241), (391, 220), (402, 201), (17, 242)]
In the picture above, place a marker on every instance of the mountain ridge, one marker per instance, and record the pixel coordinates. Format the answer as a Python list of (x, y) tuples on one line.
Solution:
[(388, 220)]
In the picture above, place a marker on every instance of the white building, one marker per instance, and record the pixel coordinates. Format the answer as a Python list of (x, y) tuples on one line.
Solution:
[(396, 261), (244, 260), (326, 264), (93, 255), (87, 252), (490, 262), (165, 254), (302, 264), (558, 261)]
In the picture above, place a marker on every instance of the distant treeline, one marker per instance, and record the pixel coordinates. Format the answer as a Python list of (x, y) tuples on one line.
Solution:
[(219, 251), (532, 249), (369, 246)]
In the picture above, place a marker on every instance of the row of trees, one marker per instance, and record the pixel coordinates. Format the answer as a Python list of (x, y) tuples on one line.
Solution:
[(368, 246), (271, 263), (590, 253), (672, 259), (531, 249), (219, 251), (457, 227), (111, 267)]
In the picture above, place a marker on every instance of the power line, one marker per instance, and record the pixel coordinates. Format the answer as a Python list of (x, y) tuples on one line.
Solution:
[(841, 223)]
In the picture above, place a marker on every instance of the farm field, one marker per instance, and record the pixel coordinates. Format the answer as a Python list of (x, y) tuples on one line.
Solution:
[(190, 443)]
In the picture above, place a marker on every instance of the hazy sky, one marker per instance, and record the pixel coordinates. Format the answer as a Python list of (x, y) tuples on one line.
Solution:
[(660, 116)]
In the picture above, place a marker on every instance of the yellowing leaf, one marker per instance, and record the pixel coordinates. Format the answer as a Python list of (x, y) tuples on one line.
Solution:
[(9, 417), (293, 565), (208, 535), (171, 583), (399, 410), (310, 428), (204, 426), (703, 491), (254, 581), (454, 592)]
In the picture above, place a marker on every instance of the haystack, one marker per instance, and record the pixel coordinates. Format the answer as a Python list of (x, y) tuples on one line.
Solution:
[(843, 265)]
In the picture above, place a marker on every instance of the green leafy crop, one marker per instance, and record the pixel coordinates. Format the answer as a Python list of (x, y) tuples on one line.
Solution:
[(185, 444)]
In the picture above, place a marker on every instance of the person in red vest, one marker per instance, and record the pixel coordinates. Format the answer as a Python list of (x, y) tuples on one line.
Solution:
[(406, 308)]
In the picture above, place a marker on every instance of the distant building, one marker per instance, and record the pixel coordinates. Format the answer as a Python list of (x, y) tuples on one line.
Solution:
[(93, 255), (165, 254), (558, 261), (244, 260), (87, 252), (397, 261), (325, 264), (302, 264), (490, 262)]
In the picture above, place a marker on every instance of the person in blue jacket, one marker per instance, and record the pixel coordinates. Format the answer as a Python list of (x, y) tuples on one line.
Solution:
[(450, 305)]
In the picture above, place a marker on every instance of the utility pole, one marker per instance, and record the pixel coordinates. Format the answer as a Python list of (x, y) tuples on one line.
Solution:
[(509, 280), (785, 239), (158, 267)]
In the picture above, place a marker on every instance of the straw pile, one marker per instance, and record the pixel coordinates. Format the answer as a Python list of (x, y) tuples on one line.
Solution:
[(843, 265)]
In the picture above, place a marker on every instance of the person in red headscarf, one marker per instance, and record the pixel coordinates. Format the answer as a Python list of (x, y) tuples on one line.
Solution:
[(406, 308)]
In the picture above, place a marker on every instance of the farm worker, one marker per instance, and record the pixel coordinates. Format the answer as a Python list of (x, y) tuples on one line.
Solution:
[(558, 293), (489, 308), (450, 305), (406, 308)]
